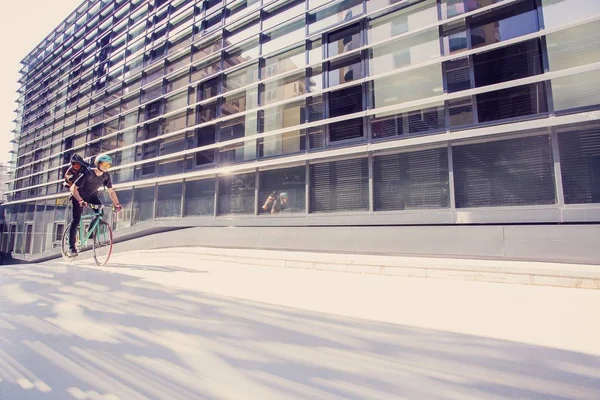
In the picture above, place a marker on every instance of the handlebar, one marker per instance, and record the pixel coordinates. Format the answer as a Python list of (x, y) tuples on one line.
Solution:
[(100, 207)]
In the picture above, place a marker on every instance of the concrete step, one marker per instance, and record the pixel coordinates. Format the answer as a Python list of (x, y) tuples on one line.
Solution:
[(516, 272)]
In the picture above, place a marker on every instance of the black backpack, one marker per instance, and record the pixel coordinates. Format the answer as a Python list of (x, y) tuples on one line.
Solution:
[(78, 167)]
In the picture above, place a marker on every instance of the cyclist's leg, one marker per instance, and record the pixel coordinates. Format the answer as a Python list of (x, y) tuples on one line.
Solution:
[(95, 200), (77, 210)]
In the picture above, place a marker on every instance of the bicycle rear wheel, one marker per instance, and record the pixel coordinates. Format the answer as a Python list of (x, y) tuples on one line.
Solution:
[(103, 242), (65, 247)]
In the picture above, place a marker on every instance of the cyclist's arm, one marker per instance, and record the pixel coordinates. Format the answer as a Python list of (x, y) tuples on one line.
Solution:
[(113, 196), (75, 192)]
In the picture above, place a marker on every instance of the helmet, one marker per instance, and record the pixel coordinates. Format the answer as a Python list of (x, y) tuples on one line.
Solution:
[(103, 158), (283, 195)]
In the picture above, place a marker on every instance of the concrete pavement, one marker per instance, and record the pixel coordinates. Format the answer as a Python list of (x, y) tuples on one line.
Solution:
[(170, 325)]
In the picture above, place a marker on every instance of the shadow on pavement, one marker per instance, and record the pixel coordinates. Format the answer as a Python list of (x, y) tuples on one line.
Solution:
[(68, 332)]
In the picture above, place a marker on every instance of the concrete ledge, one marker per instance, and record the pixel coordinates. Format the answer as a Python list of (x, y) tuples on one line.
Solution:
[(578, 276)]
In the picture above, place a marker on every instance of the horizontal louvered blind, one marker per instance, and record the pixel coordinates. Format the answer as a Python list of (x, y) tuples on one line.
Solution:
[(513, 62), (236, 194), (340, 186), (417, 180), (513, 102), (580, 164), (200, 197), (504, 173)]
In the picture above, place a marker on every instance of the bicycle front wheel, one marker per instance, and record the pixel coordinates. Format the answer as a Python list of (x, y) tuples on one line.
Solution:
[(103, 242)]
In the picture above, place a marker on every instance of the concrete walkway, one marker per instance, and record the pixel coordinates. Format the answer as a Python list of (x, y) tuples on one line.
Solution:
[(172, 324)]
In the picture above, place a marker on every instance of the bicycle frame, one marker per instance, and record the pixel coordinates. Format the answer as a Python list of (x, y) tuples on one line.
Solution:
[(97, 218)]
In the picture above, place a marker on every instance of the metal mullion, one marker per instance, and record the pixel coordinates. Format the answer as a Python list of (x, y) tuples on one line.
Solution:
[(183, 194), (307, 188), (216, 196), (451, 177), (560, 193), (371, 194), (256, 190), (155, 198)]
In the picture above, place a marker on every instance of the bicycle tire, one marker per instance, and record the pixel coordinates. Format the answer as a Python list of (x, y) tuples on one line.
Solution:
[(65, 247), (103, 239)]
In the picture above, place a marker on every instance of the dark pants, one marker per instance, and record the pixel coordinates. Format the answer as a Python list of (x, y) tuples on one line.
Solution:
[(77, 211)]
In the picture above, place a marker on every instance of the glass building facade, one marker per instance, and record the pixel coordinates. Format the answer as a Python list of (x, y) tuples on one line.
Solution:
[(363, 111)]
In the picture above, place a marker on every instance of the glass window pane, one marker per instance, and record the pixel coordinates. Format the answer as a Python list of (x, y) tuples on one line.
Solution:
[(561, 12), (122, 219), (176, 102), (175, 122), (282, 191), (237, 128), (458, 75), (143, 204), (283, 36), (168, 201), (460, 112), (284, 143), (407, 19), (414, 49), (199, 197), (204, 69), (283, 116), (576, 91), (520, 101), (240, 54), (283, 62), (345, 130), (411, 181), (283, 89), (512, 172), (240, 102), (504, 24), (345, 101), (344, 40), (242, 33), (339, 186), (574, 47), (580, 162), (452, 8), (240, 78), (409, 122), (279, 12), (412, 85), (454, 38), (345, 70), (518, 61), (333, 14), (236, 194)]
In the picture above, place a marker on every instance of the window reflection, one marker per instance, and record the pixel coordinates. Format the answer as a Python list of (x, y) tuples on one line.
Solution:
[(560, 12), (332, 14), (344, 40), (507, 23), (283, 62), (345, 70)]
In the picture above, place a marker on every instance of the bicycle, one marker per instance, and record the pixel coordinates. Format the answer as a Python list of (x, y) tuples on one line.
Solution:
[(99, 231)]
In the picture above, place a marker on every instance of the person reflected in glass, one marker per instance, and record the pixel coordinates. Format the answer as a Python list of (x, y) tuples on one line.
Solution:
[(276, 204)]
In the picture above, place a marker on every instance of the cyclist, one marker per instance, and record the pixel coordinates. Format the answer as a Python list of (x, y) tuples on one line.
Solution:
[(85, 191)]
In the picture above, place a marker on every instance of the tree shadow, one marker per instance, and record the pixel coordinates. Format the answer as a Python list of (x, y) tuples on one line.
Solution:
[(68, 332)]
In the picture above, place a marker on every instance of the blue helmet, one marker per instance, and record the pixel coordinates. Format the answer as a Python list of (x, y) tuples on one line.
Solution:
[(103, 158)]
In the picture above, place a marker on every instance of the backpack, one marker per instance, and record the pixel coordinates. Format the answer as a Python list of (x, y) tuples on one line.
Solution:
[(77, 169)]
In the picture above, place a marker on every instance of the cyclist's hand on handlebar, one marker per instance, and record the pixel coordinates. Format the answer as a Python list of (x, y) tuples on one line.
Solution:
[(118, 207), (83, 203)]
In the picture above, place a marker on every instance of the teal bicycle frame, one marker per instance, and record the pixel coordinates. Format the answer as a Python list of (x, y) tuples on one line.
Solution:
[(96, 219)]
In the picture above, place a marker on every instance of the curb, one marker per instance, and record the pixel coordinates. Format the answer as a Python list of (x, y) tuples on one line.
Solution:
[(576, 276)]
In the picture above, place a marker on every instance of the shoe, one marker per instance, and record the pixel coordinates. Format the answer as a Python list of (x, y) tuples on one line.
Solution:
[(73, 252)]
